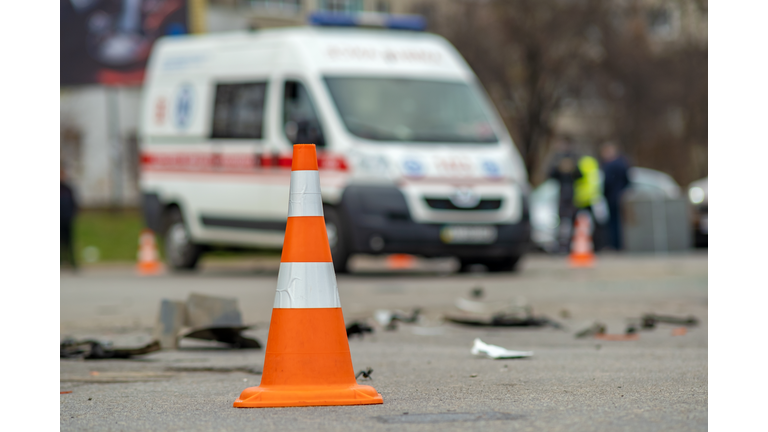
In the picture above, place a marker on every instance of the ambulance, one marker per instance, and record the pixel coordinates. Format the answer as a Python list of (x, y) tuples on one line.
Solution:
[(413, 157)]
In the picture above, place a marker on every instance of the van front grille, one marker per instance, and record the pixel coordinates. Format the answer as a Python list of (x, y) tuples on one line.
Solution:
[(446, 204)]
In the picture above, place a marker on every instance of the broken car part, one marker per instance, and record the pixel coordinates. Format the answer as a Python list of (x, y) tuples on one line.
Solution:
[(358, 328), (497, 352), (649, 321), (365, 373), (202, 317), (596, 328), (96, 350)]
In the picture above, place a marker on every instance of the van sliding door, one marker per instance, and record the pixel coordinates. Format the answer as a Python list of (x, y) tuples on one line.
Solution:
[(240, 208)]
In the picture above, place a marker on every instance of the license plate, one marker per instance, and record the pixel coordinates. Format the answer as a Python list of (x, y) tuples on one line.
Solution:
[(468, 234)]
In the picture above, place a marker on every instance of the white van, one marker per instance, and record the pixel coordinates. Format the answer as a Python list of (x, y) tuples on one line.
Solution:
[(413, 156)]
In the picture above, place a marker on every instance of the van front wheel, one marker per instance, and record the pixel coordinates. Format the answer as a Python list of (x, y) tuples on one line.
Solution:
[(337, 239), (180, 252)]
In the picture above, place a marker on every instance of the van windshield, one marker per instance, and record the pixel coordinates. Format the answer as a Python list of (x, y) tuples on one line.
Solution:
[(396, 109)]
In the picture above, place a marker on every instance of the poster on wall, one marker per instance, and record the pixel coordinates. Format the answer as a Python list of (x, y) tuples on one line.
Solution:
[(109, 41)]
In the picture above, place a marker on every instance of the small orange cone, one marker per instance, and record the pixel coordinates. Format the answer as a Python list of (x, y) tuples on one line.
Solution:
[(582, 250), (149, 260), (307, 361)]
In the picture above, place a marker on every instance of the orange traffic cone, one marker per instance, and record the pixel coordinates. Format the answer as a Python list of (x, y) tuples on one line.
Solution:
[(149, 262), (582, 250), (400, 261), (307, 362)]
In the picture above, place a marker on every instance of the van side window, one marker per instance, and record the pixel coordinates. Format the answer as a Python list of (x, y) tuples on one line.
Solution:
[(300, 122), (238, 110)]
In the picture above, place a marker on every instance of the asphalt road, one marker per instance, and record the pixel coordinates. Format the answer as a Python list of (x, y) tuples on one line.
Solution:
[(424, 371)]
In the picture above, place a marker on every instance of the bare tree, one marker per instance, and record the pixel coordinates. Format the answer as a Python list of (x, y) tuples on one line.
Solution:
[(530, 55), (535, 56)]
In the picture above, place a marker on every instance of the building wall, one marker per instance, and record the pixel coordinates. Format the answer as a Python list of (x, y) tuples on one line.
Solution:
[(98, 129)]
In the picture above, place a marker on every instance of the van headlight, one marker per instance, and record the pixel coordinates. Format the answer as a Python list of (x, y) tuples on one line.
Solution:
[(696, 195)]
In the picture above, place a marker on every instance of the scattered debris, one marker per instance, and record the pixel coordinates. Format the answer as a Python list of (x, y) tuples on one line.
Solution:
[(228, 335), (389, 319), (66, 392), (412, 318), (679, 331), (202, 317), (95, 350), (594, 329), (474, 375), (502, 320), (358, 328), (565, 313), (365, 373), (477, 292), (247, 369), (649, 321), (617, 337), (479, 307), (517, 314), (382, 316), (497, 352)]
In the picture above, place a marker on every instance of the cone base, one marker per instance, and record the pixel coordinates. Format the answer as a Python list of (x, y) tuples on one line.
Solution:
[(148, 270), (285, 396), (582, 260)]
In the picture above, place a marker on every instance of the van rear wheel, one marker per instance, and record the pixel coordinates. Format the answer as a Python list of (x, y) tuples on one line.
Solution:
[(180, 252), (337, 239)]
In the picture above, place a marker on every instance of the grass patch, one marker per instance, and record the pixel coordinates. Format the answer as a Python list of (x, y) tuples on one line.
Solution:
[(115, 234)]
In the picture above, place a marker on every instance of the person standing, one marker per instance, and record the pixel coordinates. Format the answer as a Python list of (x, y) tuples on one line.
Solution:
[(67, 218), (588, 197), (565, 170), (616, 179)]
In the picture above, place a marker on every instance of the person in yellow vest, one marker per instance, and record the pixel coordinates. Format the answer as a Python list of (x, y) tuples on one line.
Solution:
[(587, 195)]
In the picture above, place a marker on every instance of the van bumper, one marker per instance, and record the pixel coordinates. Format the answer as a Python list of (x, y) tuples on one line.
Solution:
[(381, 211)]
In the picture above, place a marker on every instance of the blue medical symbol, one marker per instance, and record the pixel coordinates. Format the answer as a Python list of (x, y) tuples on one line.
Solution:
[(491, 168), (412, 167), (184, 106)]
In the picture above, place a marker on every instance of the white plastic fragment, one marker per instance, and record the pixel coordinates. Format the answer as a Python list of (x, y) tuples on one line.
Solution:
[(382, 316), (497, 352)]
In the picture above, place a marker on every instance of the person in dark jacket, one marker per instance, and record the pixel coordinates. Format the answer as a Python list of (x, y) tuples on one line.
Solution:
[(68, 212), (566, 171), (616, 179)]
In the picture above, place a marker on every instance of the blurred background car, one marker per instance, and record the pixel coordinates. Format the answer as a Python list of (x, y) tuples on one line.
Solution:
[(697, 196), (544, 198)]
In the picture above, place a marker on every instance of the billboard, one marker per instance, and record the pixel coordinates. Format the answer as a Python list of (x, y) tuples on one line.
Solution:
[(109, 41)]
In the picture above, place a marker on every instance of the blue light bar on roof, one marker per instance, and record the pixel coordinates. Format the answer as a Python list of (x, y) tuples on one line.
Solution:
[(368, 19)]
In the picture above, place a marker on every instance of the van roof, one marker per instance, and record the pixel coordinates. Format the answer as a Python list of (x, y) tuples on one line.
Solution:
[(323, 49)]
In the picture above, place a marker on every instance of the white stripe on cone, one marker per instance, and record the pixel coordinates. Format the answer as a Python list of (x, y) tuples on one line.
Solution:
[(306, 285), (305, 198)]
